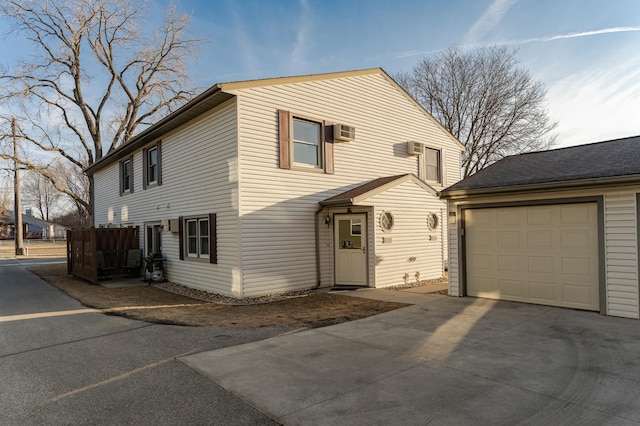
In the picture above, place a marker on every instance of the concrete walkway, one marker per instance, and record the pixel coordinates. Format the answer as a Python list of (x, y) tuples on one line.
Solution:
[(443, 360)]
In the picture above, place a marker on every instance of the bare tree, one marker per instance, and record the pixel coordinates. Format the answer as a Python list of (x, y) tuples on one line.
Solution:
[(489, 104), (96, 77), (39, 190)]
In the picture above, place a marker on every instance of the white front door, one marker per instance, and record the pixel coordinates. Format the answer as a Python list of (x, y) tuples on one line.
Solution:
[(350, 233)]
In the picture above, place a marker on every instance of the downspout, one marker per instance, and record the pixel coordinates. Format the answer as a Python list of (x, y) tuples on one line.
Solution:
[(317, 235)]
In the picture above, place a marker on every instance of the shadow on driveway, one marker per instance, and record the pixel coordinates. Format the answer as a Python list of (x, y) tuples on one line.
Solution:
[(446, 361)]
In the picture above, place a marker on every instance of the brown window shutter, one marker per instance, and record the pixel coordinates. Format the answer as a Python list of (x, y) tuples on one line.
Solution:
[(284, 127), (131, 180), (145, 165), (328, 149), (181, 237), (159, 152), (213, 238)]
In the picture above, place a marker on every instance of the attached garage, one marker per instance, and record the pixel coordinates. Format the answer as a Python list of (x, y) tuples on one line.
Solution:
[(557, 228)]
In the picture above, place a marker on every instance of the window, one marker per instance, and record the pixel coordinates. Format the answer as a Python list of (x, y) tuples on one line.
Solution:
[(432, 164), (126, 175), (152, 158), (307, 148), (152, 165), (304, 143), (198, 238), (386, 221)]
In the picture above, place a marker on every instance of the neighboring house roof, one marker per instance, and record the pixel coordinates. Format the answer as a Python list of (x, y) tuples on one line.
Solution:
[(360, 193), (607, 163), (217, 94), (9, 218)]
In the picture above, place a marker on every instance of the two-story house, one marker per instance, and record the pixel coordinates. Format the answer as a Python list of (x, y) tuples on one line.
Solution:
[(283, 184)]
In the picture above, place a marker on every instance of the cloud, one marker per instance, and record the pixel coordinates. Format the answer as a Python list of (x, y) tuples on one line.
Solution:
[(298, 55), (601, 103), (489, 19)]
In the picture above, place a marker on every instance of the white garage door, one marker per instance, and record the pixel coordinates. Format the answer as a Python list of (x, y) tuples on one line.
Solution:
[(538, 254)]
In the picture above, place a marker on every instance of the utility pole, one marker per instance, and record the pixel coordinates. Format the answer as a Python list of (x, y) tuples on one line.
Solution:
[(17, 210)]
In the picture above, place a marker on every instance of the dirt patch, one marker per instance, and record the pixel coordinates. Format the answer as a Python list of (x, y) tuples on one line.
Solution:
[(148, 303)]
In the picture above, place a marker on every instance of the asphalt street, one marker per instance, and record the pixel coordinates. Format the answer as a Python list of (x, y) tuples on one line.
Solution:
[(61, 363)]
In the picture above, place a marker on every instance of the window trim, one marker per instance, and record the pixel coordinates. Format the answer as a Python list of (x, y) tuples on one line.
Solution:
[(439, 164)]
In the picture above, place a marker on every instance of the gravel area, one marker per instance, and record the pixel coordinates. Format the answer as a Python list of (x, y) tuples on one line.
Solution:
[(420, 283), (225, 300)]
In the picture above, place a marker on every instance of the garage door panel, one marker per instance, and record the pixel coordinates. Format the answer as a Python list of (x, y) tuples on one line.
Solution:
[(543, 292), (541, 264), (539, 239), (509, 263), (506, 218), (508, 239), (485, 287), (575, 239), (539, 216), (538, 254), (577, 267), (576, 214), (515, 289), (576, 296)]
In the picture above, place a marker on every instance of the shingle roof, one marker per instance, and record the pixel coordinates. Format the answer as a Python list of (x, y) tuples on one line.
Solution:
[(582, 163), (366, 190)]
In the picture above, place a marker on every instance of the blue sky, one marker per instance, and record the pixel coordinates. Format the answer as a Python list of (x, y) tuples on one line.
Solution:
[(586, 52)]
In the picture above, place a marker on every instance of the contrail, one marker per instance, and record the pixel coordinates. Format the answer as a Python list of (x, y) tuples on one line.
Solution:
[(572, 35), (527, 40)]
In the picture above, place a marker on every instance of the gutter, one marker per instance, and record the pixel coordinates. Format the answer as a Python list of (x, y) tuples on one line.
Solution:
[(542, 187)]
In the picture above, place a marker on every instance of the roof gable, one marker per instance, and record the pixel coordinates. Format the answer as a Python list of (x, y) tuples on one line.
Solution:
[(360, 193), (578, 165)]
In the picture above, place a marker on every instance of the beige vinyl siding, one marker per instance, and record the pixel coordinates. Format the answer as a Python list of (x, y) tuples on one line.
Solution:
[(409, 205), (280, 204), (199, 176), (621, 254), (453, 272)]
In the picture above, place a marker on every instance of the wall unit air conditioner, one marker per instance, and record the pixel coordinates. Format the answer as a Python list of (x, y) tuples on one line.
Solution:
[(343, 133), (415, 148)]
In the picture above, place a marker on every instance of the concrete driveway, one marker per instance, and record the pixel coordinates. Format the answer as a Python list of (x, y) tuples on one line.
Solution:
[(442, 361)]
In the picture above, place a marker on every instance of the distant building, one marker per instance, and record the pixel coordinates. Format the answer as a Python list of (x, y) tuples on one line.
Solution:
[(32, 228)]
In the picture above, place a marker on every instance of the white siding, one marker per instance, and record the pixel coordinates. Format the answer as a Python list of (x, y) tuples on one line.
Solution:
[(410, 250), (199, 176), (277, 206), (621, 248)]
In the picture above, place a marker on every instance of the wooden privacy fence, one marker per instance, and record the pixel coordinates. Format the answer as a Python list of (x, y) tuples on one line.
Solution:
[(83, 244)]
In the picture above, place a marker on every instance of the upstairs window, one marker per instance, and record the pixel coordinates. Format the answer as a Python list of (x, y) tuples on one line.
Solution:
[(307, 148), (152, 158), (432, 165), (152, 164), (126, 175), (304, 143)]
